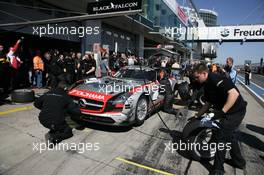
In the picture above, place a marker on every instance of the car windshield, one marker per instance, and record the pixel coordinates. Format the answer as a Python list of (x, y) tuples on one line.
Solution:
[(137, 74)]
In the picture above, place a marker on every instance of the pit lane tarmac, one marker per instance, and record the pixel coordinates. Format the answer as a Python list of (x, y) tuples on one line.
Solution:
[(136, 150)]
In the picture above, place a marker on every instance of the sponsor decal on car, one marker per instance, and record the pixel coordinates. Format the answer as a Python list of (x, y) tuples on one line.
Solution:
[(89, 95)]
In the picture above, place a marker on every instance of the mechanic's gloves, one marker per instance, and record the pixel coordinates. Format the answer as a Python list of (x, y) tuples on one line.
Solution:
[(219, 114), (206, 119), (207, 122)]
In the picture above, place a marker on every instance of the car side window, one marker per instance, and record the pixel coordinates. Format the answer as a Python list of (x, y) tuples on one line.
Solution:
[(152, 75)]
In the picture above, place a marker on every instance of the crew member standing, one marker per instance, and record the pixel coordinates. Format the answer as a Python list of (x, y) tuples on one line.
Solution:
[(229, 107), (55, 70), (77, 70), (38, 66), (15, 63), (247, 74), (105, 70), (229, 68), (54, 105), (70, 69), (166, 90), (88, 66)]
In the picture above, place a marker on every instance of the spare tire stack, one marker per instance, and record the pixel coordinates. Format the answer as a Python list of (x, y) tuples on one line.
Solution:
[(22, 96)]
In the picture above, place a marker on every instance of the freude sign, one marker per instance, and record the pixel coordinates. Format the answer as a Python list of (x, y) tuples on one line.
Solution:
[(113, 6), (243, 32), (223, 33)]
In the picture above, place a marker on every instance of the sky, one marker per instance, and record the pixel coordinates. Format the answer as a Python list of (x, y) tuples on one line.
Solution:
[(233, 12)]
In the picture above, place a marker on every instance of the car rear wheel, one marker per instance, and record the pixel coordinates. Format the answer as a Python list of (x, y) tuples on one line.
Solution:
[(141, 110)]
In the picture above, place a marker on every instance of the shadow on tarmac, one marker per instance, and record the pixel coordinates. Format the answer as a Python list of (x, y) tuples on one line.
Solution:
[(256, 129), (177, 138), (251, 140)]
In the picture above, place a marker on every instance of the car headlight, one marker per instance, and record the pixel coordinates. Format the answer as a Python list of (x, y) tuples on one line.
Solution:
[(121, 99)]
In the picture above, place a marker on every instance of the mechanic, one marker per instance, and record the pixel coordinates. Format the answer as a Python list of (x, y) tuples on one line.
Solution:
[(55, 70), (229, 68), (69, 66), (247, 74), (105, 70), (88, 66), (77, 70), (47, 61), (54, 105), (166, 90), (38, 66), (229, 107)]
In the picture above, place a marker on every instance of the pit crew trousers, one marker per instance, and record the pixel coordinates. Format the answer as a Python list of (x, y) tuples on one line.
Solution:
[(226, 135), (58, 130)]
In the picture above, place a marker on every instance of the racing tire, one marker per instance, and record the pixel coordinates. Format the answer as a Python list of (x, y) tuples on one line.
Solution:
[(141, 111), (22, 96), (196, 138)]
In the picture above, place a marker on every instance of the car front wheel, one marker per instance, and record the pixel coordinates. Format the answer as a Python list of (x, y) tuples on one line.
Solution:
[(141, 110)]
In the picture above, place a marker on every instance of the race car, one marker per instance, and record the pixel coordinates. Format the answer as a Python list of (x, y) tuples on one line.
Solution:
[(124, 99)]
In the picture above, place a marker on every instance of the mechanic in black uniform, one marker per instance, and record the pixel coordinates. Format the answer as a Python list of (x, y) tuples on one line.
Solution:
[(61, 65), (54, 105), (69, 66), (55, 70), (88, 66), (229, 107), (166, 90)]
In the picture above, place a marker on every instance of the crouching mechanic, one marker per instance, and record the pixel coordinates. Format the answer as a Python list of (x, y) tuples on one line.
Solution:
[(229, 107), (166, 90), (54, 105)]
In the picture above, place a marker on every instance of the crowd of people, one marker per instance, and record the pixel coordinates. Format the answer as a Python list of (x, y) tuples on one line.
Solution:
[(47, 68)]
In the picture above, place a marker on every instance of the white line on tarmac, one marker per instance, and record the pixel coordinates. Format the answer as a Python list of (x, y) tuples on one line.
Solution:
[(260, 98), (253, 83)]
